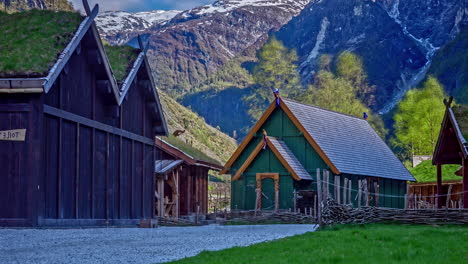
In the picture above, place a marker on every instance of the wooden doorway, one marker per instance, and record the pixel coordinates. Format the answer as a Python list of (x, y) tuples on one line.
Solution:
[(265, 200)]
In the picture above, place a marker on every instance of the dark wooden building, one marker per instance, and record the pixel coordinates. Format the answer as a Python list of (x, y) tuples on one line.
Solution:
[(452, 148), (281, 155), (182, 182), (77, 145)]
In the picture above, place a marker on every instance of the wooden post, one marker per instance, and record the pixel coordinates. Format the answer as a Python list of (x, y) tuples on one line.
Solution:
[(338, 190), (319, 198), (439, 185), (277, 188), (350, 184), (315, 206), (366, 191), (448, 196), (376, 190), (257, 198), (465, 182), (406, 201), (327, 189), (345, 184), (295, 201), (359, 193)]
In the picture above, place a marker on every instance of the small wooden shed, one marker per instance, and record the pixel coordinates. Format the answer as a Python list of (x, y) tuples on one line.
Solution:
[(77, 144), (452, 147), (299, 139), (182, 182)]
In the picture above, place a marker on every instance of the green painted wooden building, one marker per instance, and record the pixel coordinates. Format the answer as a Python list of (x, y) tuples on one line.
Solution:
[(292, 140)]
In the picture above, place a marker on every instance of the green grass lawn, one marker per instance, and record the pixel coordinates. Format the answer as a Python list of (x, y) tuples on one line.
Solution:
[(373, 243)]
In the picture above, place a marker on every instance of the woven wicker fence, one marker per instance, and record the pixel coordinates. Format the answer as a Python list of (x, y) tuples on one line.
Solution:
[(334, 213)]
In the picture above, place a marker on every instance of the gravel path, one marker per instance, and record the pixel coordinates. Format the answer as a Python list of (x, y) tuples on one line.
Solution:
[(131, 245)]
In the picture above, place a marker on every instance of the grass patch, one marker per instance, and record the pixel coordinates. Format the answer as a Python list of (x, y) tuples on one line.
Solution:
[(375, 243), (121, 59), (426, 172), (193, 152), (31, 41)]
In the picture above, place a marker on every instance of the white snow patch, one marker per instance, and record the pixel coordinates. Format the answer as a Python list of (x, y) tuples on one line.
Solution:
[(320, 38)]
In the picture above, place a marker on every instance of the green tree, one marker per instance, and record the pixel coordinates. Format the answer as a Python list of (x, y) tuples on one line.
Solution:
[(418, 118), (350, 67), (338, 94), (276, 69)]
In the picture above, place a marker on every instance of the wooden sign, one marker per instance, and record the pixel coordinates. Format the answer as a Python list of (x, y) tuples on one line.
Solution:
[(13, 135)]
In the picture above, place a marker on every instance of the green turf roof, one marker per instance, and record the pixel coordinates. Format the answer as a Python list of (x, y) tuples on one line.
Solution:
[(426, 172), (121, 59), (461, 114), (188, 149), (31, 41)]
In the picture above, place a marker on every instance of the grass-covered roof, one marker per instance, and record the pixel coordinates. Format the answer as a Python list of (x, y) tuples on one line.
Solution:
[(31, 41), (193, 152), (426, 172), (461, 114), (121, 59)]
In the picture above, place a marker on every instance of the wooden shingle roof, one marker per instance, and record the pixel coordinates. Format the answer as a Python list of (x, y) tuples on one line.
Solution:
[(345, 143), (289, 157), (350, 143)]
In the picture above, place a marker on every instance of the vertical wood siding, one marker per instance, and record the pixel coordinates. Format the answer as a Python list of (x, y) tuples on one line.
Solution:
[(280, 126)]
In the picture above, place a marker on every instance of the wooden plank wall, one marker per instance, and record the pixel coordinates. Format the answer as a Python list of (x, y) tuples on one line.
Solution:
[(99, 157), (20, 160)]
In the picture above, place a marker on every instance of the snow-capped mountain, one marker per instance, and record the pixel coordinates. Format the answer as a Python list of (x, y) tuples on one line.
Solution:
[(195, 43), (223, 6), (112, 23)]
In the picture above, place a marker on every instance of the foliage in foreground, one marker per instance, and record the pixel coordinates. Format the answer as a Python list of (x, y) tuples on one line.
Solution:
[(426, 172), (418, 119), (374, 243)]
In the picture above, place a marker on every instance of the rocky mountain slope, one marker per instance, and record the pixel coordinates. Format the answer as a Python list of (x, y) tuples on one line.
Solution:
[(195, 43), (21, 5), (198, 135), (119, 27), (396, 39)]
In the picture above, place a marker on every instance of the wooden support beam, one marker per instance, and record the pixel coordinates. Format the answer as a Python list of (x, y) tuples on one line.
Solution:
[(319, 197), (439, 185), (465, 183)]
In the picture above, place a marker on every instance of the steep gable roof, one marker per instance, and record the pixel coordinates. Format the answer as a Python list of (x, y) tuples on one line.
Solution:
[(346, 144), (350, 142), (284, 155), (456, 118), (44, 84)]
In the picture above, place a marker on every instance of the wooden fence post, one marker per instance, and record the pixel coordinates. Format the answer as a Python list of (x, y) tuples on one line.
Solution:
[(338, 190), (448, 196), (359, 193), (350, 199), (319, 196), (376, 190), (366, 191), (345, 185)]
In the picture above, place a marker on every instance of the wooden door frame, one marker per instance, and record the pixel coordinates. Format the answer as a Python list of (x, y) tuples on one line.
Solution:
[(259, 178)]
